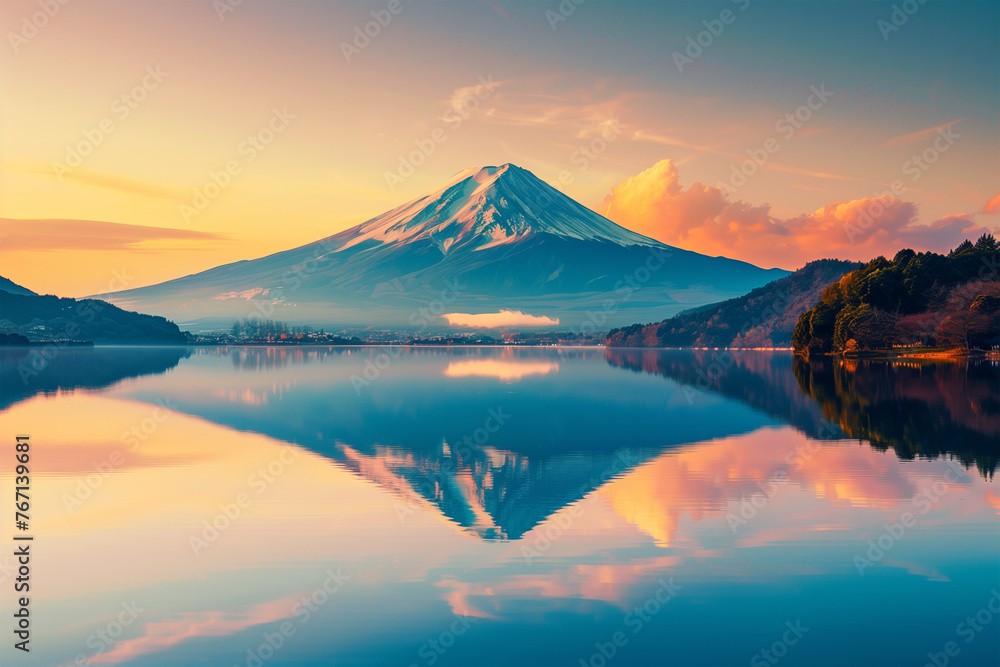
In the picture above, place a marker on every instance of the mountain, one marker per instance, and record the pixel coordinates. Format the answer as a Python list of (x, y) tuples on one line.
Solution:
[(490, 239), (51, 318), (765, 317), (10, 286)]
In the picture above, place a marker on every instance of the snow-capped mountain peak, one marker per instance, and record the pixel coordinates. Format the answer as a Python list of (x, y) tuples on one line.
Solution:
[(486, 207)]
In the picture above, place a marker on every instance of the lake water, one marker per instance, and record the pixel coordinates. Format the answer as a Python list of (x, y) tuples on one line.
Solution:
[(489, 506)]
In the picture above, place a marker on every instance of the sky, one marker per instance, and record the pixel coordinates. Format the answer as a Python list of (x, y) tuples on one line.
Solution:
[(145, 140)]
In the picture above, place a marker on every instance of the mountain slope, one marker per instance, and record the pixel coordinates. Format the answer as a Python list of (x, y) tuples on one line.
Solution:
[(765, 317), (489, 239), (10, 286)]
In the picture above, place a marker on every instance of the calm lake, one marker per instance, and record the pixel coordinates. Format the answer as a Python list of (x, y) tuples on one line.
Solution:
[(492, 506)]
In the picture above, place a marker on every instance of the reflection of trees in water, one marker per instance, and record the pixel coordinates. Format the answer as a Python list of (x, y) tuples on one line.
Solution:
[(250, 358), (926, 409), (760, 379), (27, 371), (917, 408)]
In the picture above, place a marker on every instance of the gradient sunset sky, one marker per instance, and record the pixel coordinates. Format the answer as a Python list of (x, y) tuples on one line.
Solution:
[(670, 135)]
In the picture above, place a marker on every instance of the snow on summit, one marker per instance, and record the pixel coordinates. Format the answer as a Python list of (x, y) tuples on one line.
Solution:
[(488, 207)]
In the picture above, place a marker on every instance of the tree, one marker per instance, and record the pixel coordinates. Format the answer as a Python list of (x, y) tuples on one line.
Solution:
[(962, 328)]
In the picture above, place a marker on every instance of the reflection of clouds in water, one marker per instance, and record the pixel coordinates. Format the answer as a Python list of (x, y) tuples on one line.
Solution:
[(710, 479), (162, 635), (502, 369)]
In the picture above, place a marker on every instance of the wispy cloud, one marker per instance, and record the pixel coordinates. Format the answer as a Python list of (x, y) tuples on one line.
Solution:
[(95, 235), (920, 135), (99, 179)]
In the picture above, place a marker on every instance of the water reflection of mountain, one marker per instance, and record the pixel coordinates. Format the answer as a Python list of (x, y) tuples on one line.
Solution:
[(917, 408), (494, 494), (26, 371), (419, 429), (924, 409)]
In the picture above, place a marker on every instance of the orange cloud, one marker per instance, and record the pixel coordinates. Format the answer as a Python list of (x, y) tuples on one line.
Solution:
[(47, 235), (505, 318), (704, 219), (993, 205)]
